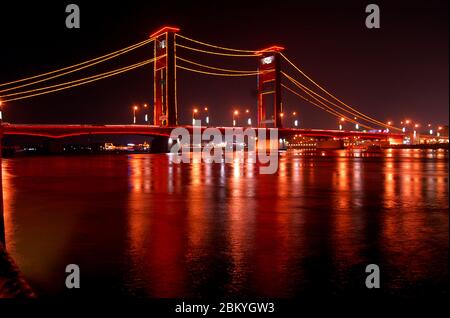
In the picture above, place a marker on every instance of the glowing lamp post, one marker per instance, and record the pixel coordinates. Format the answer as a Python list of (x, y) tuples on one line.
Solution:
[(415, 130), (207, 116), (249, 120), (146, 113), (341, 122), (135, 108), (294, 114), (235, 113), (389, 124), (356, 123), (194, 111)]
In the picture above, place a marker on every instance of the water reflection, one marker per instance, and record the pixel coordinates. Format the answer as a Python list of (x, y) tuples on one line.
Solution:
[(143, 226)]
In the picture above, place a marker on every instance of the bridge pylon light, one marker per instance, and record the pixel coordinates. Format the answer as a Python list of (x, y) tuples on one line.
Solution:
[(269, 87), (164, 81)]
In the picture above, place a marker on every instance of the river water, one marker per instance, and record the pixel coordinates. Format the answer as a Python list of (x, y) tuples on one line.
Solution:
[(140, 226)]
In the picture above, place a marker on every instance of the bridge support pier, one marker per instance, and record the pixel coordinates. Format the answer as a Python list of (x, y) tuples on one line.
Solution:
[(161, 144), (52, 146)]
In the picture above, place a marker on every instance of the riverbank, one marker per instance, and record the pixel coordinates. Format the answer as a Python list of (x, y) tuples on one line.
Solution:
[(12, 282), (420, 146)]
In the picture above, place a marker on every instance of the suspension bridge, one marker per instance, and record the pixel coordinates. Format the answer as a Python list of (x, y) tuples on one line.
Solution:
[(275, 75)]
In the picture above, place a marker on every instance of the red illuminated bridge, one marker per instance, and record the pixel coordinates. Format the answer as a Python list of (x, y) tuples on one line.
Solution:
[(274, 73), (63, 131)]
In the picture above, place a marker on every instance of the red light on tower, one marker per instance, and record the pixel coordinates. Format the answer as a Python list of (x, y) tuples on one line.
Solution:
[(163, 30), (271, 49)]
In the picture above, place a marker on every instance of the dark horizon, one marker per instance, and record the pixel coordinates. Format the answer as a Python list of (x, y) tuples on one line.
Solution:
[(398, 71)]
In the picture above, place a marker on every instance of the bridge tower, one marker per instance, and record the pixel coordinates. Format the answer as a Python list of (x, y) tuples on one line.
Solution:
[(269, 87), (164, 82)]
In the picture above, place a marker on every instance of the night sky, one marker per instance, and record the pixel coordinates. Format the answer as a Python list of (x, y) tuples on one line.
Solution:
[(398, 71)]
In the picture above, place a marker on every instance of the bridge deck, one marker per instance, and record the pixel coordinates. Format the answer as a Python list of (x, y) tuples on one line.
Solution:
[(62, 131)]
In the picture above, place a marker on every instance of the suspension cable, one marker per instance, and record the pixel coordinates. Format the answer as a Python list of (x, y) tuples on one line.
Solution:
[(71, 82), (326, 107), (215, 46), (334, 97), (334, 111), (214, 73), (101, 58), (313, 103), (86, 80), (308, 100), (214, 68), (68, 72), (303, 88), (214, 53)]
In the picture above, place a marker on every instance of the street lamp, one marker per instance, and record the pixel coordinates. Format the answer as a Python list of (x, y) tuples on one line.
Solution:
[(356, 123), (135, 108), (295, 119), (235, 113), (249, 120), (405, 123), (415, 130), (146, 112), (341, 122), (207, 116), (194, 111)]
